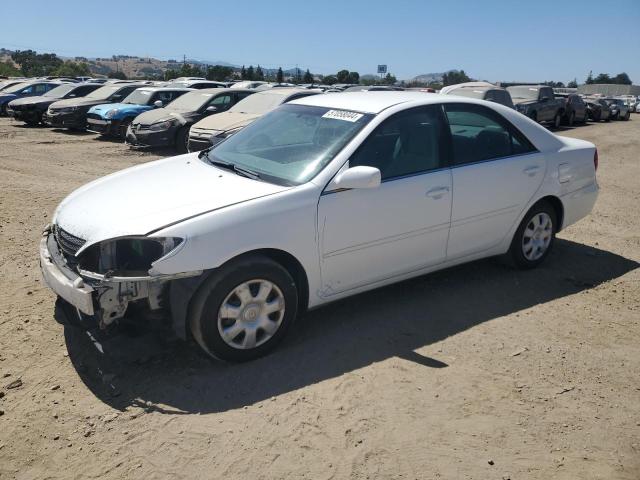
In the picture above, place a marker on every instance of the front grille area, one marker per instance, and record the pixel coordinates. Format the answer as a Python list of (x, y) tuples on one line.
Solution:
[(95, 116), (69, 244)]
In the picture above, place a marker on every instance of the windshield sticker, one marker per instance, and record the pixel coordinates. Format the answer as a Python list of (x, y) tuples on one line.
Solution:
[(343, 115)]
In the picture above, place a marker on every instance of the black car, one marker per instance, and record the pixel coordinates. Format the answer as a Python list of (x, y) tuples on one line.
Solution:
[(575, 110), (169, 126), (31, 109), (72, 112), (598, 109)]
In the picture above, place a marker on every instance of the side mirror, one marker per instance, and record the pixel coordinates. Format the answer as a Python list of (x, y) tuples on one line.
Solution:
[(157, 104), (211, 109), (358, 177)]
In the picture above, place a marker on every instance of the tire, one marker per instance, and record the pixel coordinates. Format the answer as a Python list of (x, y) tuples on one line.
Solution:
[(535, 236), (182, 140), (557, 121), (572, 119), (627, 116), (598, 117), (216, 308), (3, 110), (122, 129)]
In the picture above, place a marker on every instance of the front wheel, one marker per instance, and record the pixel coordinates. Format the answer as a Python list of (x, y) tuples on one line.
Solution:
[(557, 120), (244, 310), (534, 237), (182, 140), (627, 116)]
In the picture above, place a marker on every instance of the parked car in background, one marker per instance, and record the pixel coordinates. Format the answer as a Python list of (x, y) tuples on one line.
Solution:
[(538, 102), (619, 109), (9, 83), (31, 109), (321, 199), (24, 89), (114, 118), (169, 126), (213, 130), (638, 108), (72, 113), (248, 84), (369, 88), (196, 84), (598, 109), (575, 110), (481, 91)]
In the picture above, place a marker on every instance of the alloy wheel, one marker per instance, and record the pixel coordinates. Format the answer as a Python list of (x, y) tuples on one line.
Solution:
[(251, 314), (536, 238)]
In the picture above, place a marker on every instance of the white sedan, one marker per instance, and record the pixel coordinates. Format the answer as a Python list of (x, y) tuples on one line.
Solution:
[(323, 198)]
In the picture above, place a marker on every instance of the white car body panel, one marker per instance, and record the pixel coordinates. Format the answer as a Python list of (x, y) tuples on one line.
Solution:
[(347, 241)]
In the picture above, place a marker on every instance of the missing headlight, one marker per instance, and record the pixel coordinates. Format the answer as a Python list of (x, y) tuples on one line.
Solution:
[(126, 257)]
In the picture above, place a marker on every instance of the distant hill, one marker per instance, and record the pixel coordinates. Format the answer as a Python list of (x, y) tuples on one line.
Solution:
[(429, 77)]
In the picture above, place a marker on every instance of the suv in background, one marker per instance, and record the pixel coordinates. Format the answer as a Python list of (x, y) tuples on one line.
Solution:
[(31, 109), (575, 110), (72, 113), (24, 89), (619, 109), (488, 92), (538, 102), (114, 118)]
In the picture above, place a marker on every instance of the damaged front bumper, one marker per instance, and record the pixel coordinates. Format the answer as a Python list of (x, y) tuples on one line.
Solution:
[(104, 298)]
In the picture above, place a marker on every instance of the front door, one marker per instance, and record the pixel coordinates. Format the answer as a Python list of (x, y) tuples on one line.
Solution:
[(369, 235)]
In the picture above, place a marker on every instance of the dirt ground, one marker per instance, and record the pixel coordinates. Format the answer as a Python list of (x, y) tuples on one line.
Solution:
[(477, 372)]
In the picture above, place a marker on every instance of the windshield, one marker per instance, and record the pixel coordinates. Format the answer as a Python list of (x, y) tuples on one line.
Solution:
[(139, 97), (103, 93), (5, 85), (523, 93), (258, 103), (191, 101), (16, 88), (291, 144), (60, 91)]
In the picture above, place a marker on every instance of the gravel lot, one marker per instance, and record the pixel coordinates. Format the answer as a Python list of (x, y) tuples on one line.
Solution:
[(480, 371)]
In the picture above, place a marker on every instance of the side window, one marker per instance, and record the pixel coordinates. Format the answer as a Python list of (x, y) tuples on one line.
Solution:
[(164, 97), (241, 96), (41, 88), (27, 90), (221, 100), (82, 91), (479, 134), (407, 143)]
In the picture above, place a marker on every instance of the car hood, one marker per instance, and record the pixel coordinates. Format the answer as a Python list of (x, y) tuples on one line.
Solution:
[(226, 121), (33, 101), (123, 109), (145, 198), (7, 97), (76, 102), (161, 114)]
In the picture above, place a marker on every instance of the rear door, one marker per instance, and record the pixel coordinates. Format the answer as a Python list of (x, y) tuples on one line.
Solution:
[(495, 172)]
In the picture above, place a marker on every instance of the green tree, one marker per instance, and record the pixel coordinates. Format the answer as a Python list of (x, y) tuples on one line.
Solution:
[(343, 76), (33, 64), (308, 78), (251, 75), (7, 69), (280, 75), (330, 80), (589, 80), (119, 75), (72, 69), (390, 79), (573, 83), (259, 73), (454, 77), (219, 73), (622, 79), (353, 77), (171, 73), (243, 73), (603, 78)]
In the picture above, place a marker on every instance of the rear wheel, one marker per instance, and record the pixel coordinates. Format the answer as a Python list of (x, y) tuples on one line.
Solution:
[(557, 120), (534, 237), (572, 119), (244, 310), (627, 116)]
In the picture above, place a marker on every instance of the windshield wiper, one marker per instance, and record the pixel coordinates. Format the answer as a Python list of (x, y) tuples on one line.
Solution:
[(245, 172)]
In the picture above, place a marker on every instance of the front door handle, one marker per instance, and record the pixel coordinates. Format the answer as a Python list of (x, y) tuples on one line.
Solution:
[(437, 192), (531, 171)]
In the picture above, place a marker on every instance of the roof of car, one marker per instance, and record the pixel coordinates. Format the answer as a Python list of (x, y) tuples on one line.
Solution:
[(367, 102), (219, 90), (172, 89), (283, 91)]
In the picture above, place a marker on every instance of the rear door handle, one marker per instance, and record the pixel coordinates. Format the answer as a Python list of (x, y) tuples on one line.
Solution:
[(531, 171), (437, 192)]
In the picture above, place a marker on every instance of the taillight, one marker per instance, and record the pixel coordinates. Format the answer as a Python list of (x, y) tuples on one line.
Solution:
[(595, 159)]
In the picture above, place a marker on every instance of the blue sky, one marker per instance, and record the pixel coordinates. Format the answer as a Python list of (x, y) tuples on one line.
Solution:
[(490, 39)]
